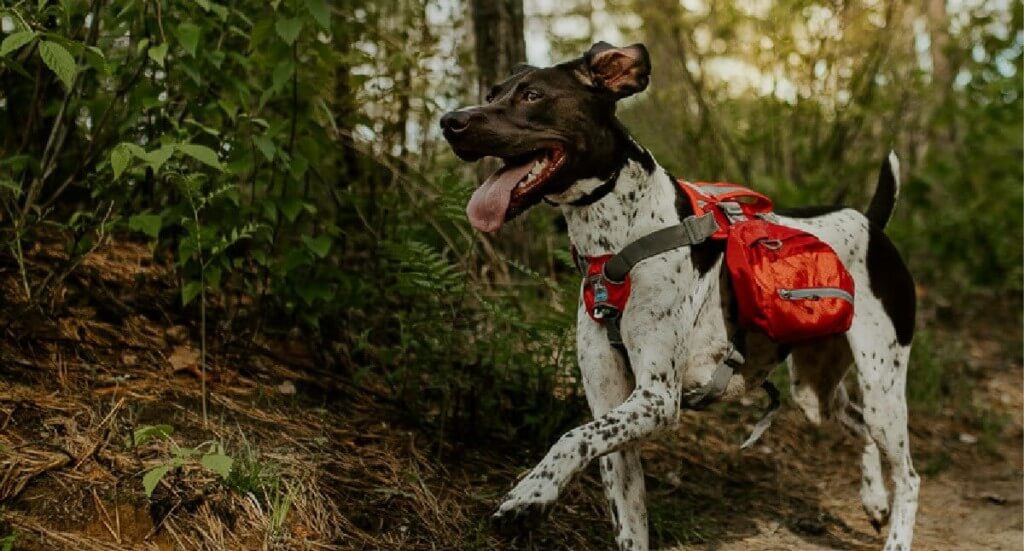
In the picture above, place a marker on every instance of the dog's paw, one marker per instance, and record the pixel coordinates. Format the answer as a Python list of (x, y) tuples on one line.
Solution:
[(878, 517), (527, 504), (518, 519)]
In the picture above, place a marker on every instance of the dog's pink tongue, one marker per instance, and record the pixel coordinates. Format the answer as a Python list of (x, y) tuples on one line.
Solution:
[(487, 207)]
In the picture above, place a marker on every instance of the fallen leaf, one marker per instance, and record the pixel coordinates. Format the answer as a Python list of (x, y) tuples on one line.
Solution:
[(287, 388), (183, 358)]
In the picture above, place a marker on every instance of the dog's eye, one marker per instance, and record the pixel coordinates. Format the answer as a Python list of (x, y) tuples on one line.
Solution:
[(531, 95)]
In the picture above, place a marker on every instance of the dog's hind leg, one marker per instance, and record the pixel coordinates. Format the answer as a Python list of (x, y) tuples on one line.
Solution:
[(873, 495), (882, 373), (607, 382), (816, 372)]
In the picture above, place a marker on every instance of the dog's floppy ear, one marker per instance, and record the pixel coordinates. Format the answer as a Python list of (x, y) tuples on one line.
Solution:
[(619, 71)]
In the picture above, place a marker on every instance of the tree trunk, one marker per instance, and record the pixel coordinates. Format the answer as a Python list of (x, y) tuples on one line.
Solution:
[(500, 44)]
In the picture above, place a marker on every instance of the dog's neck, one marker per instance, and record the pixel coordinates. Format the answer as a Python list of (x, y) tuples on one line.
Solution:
[(642, 200)]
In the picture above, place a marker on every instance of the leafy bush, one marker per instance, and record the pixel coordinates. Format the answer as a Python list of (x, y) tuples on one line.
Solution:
[(233, 137)]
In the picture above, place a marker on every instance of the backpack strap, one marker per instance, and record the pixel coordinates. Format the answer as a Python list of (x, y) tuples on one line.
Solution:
[(692, 230)]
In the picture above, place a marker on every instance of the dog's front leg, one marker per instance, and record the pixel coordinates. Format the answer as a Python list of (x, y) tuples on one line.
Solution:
[(608, 382), (652, 405)]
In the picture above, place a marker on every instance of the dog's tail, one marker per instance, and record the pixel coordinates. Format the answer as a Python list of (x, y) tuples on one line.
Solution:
[(884, 202), (888, 190)]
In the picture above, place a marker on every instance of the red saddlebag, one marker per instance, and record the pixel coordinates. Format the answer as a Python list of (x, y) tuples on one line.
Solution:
[(788, 283)]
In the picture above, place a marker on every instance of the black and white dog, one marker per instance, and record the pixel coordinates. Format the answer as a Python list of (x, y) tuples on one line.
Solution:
[(556, 131)]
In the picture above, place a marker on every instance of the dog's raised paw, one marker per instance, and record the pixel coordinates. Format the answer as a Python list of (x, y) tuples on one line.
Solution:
[(512, 519)]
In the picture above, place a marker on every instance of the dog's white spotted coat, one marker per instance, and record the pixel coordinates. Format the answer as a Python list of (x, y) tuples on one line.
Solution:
[(675, 333)]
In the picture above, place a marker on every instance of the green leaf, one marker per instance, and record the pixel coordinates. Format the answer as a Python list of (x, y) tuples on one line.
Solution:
[(319, 246), (158, 157), (12, 186), (266, 146), (202, 154), (148, 224), (153, 477), (120, 156), (320, 11), (188, 35), (158, 53), (218, 463), (190, 291), (95, 58), (59, 61), (146, 433), (15, 41), (290, 207), (288, 29), (282, 72)]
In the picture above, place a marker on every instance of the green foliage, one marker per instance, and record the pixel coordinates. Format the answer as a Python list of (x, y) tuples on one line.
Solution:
[(248, 144), (210, 456), (283, 157), (147, 433)]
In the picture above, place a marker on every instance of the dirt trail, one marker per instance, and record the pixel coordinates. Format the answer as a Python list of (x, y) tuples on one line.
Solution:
[(954, 514), (974, 503)]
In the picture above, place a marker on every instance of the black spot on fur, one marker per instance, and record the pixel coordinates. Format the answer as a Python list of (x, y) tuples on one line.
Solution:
[(892, 283)]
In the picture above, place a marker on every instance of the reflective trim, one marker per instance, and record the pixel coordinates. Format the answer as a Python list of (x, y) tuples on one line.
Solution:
[(721, 190), (814, 293)]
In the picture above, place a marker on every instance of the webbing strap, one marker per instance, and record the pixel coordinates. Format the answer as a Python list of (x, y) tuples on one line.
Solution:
[(766, 418), (701, 397), (692, 230)]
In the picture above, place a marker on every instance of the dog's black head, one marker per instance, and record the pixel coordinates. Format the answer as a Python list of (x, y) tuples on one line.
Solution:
[(552, 127)]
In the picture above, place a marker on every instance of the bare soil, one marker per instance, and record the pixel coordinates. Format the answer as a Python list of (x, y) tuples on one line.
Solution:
[(332, 466)]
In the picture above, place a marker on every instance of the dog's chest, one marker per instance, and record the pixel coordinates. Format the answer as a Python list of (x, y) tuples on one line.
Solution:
[(641, 204)]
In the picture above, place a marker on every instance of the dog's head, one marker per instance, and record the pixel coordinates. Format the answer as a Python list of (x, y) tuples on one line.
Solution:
[(551, 127)]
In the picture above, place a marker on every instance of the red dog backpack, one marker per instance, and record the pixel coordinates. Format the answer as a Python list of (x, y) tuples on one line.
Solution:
[(788, 283)]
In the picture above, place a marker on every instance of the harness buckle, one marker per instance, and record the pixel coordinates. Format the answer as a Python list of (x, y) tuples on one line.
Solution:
[(733, 211), (602, 310)]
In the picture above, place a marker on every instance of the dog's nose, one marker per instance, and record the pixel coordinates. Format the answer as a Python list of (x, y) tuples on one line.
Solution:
[(456, 121)]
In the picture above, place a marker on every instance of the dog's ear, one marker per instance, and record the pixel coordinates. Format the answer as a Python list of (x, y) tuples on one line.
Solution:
[(621, 72)]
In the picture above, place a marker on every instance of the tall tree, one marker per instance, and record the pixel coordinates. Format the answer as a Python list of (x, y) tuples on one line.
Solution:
[(500, 43)]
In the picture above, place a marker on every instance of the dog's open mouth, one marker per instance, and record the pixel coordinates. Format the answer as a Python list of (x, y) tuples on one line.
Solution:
[(513, 188)]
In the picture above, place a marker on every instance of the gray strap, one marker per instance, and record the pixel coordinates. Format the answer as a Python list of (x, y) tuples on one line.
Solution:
[(701, 397), (692, 230), (733, 211), (613, 328), (766, 418)]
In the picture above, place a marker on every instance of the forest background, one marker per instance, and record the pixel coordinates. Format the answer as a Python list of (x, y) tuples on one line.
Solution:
[(207, 192)]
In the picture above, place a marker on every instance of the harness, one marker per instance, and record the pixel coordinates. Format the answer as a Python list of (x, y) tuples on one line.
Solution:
[(606, 283)]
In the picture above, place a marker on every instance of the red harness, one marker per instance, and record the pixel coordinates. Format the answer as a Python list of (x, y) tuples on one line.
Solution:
[(787, 283)]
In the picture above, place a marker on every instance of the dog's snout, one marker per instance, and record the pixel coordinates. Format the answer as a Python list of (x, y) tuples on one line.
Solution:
[(456, 121)]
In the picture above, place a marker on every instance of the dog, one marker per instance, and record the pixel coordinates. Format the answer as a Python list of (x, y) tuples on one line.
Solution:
[(556, 131)]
